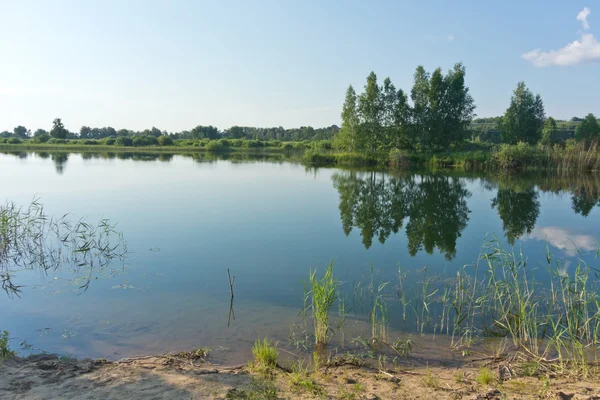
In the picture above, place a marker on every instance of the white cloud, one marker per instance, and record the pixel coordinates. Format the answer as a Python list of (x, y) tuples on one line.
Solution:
[(582, 16), (562, 239), (450, 38), (585, 50)]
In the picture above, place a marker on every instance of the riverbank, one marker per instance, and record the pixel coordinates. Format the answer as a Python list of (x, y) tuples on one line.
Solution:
[(472, 156), (180, 377)]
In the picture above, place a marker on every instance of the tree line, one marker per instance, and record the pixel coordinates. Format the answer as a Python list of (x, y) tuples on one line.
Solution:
[(438, 114), (58, 131)]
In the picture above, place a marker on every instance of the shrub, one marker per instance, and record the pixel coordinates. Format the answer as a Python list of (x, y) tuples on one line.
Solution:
[(57, 141), (214, 145), (124, 141), (43, 138), (165, 140), (89, 142), (3, 140), (150, 140), (110, 141), (225, 142), (314, 157), (139, 141), (14, 140)]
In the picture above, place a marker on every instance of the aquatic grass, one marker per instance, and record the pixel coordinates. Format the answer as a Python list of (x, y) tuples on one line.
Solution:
[(30, 239), (323, 294)]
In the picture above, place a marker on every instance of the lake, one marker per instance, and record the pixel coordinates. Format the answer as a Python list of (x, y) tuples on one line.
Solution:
[(188, 218)]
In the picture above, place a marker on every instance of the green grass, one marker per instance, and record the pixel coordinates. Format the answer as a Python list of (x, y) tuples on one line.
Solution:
[(5, 351), (265, 355), (485, 376), (430, 380), (323, 295)]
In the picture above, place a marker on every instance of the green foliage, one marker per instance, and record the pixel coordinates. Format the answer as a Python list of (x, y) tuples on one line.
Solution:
[(589, 130), (124, 141), (58, 141), (524, 118), (485, 376), (214, 145), (5, 351), (347, 137), (265, 355), (381, 119), (323, 295), (58, 129), (165, 140), (548, 131), (14, 140)]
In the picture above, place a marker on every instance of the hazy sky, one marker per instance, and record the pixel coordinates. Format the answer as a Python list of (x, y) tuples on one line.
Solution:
[(178, 64)]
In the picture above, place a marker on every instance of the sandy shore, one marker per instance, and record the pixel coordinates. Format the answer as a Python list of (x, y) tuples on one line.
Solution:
[(160, 377)]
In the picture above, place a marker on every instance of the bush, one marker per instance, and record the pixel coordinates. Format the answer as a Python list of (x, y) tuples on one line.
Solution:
[(225, 142), (3, 140), (165, 140), (399, 159), (151, 140), (43, 138), (139, 141), (214, 145), (124, 141), (57, 141), (89, 142), (14, 140), (314, 157), (109, 141), (511, 157), (253, 143)]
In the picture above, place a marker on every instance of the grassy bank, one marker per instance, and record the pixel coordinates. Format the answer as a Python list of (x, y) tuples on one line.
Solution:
[(471, 156), (519, 157)]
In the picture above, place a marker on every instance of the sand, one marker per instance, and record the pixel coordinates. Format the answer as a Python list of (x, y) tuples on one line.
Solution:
[(160, 377)]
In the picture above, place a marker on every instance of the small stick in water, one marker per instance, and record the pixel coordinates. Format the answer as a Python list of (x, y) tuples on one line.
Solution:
[(231, 282)]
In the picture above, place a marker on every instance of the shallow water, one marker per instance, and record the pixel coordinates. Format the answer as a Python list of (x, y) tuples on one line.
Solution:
[(187, 219)]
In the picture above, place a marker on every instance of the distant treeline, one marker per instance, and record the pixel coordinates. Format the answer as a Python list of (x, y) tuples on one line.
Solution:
[(199, 132)]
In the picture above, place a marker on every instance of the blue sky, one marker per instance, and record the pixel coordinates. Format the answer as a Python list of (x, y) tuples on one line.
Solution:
[(178, 64)]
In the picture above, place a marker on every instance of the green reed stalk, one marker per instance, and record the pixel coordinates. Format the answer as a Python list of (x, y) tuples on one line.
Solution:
[(323, 295)]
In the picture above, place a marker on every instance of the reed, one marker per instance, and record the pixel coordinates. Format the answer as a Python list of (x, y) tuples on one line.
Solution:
[(323, 294)]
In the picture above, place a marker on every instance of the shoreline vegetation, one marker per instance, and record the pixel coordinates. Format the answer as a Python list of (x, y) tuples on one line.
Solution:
[(572, 156), (433, 124)]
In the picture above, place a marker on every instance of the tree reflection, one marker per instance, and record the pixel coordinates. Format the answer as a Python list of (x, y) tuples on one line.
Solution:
[(433, 207), (518, 208), (60, 160), (584, 199)]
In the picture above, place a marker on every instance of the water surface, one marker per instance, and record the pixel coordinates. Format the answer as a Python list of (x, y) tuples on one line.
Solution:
[(187, 219)]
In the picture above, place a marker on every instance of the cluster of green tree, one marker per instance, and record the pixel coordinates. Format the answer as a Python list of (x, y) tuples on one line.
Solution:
[(553, 131), (434, 208), (382, 118), (440, 115), (200, 132)]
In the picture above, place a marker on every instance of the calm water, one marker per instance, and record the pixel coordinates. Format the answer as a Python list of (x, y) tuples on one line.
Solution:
[(186, 220)]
